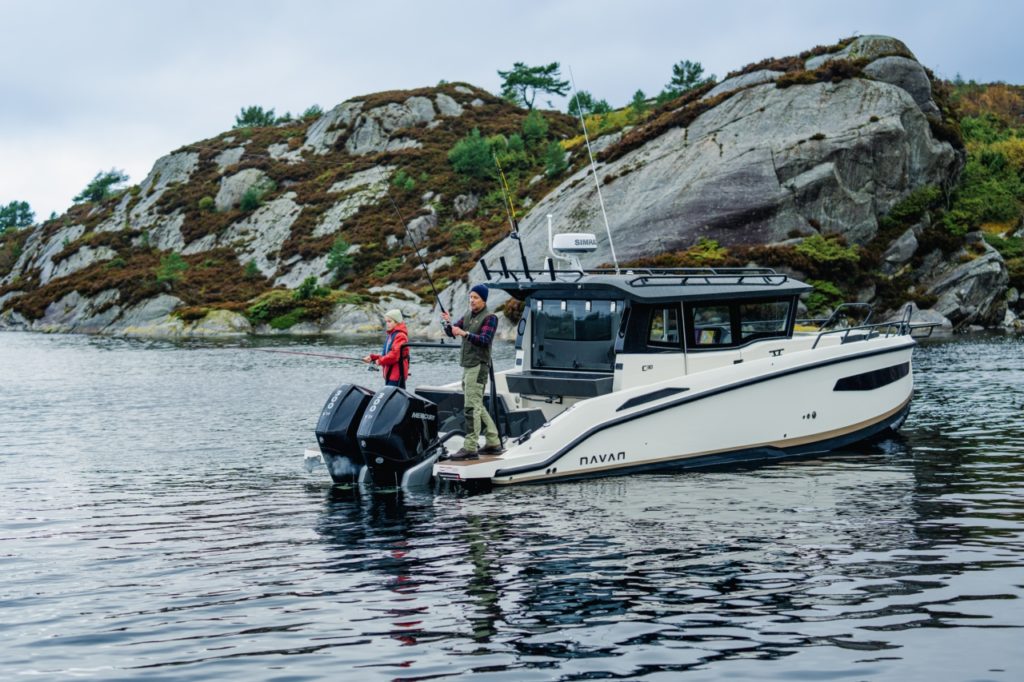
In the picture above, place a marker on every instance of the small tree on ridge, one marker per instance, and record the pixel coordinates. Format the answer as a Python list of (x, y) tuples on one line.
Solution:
[(522, 82)]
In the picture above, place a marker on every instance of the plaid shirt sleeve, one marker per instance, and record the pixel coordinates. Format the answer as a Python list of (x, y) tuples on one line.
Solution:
[(486, 334)]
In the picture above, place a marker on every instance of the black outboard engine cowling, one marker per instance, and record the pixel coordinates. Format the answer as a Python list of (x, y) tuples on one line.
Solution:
[(397, 432), (336, 431)]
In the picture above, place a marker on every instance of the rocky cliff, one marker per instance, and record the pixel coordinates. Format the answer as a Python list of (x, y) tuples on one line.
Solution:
[(847, 150)]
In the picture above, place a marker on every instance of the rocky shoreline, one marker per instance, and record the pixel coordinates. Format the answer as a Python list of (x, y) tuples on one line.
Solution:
[(835, 166)]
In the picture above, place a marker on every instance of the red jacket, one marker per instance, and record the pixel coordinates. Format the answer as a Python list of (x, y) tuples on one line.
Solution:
[(393, 369)]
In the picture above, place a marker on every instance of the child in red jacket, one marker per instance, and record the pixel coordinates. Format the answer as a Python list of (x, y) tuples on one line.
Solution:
[(394, 356)]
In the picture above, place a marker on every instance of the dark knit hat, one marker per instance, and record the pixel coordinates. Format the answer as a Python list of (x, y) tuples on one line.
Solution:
[(481, 291)]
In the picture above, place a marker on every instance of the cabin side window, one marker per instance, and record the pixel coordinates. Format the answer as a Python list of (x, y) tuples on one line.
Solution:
[(763, 319), (711, 325), (663, 331), (736, 323), (574, 334)]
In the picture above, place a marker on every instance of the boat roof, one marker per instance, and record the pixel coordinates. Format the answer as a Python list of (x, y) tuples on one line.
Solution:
[(648, 285)]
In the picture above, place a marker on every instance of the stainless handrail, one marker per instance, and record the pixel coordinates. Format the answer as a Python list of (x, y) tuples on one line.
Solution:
[(902, 327)]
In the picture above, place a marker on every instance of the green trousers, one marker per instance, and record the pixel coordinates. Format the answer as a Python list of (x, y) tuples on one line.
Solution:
[(474, 379)]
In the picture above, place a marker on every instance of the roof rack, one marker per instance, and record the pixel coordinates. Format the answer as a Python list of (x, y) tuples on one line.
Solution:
[(643, 277)]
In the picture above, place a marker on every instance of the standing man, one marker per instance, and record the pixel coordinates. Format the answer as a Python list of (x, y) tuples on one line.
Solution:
[(477, 332), (394, 356)]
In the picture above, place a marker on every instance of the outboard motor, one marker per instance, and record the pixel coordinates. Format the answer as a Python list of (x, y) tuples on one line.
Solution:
[(397, 432), (336, 431)]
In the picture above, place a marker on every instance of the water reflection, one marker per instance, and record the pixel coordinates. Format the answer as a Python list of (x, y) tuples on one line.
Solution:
[(184, 538)]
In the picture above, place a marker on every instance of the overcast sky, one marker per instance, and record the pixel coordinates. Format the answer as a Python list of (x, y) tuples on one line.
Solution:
[(90, 85)]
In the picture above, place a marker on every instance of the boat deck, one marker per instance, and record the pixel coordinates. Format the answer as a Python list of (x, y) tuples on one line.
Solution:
[(465, 462)]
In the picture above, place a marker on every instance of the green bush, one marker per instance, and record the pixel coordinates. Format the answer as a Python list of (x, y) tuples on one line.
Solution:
[(206, 203), (990, 191), (984, 129), (312, 112), (516, 144), (584, 102), (827, 250), (255, 117), (554, 160), (102, 186), (386, 268), (472, 156), (172, 267), (270, 305), (338, 260), (310, 288), (825, 297), (686, 76), (957, 221), (511, 154), (1008, 247), (403, 180), (913, 206), (252, 271), (706, 253), (288, 320), (535, 128), (463, 234), (639, 103), (251, 199), (16, 214)]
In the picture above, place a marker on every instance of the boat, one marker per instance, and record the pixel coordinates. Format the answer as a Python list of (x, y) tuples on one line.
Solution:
[(620, 371)]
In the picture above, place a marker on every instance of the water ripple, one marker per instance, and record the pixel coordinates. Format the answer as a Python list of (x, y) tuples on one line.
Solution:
[(155, 521)]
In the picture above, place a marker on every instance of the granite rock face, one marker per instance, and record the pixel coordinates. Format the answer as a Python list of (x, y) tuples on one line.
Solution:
[(371, 131), (908, 75), (870, 48), (973, 292), (765, 165)]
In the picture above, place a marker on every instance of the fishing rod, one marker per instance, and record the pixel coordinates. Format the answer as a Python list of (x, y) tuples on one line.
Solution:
[(593, 167), (315, 355), (416, 248), (510, 210)]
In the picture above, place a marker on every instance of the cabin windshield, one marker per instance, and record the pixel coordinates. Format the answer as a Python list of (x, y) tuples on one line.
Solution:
[(575, 334)]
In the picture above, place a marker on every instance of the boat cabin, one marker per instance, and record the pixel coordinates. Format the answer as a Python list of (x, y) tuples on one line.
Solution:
[(587, 333)]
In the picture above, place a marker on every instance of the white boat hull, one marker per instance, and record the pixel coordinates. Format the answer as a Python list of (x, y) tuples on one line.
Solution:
[(772, 407)]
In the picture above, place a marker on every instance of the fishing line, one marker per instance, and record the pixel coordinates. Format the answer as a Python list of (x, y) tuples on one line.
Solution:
[(416, 248), (315, 355)]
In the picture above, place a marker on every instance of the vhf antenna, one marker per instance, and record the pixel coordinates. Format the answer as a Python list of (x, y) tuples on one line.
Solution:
[(593, 167)]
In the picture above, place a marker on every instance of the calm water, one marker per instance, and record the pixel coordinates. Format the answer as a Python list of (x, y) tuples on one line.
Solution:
[(156, 522)]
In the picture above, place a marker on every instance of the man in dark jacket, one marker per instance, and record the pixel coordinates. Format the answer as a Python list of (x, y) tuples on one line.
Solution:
[(394, 356), (477, 332)]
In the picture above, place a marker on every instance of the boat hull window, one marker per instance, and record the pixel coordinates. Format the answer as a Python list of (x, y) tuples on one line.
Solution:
[(575, 334)]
